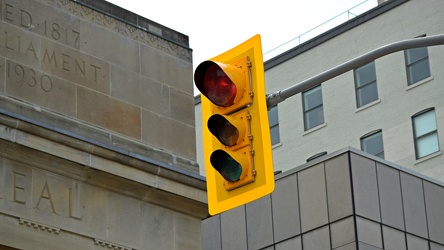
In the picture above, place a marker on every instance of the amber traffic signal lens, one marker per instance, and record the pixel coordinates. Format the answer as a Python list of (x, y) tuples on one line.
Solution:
[(223, 130)]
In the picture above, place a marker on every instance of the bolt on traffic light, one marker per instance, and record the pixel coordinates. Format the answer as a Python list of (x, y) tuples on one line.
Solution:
[(237, 147)]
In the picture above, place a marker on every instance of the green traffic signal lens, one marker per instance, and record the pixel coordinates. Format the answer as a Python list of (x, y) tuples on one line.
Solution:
[(229, 168)]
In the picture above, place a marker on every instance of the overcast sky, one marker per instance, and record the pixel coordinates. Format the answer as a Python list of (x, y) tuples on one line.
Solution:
[(216, 26)]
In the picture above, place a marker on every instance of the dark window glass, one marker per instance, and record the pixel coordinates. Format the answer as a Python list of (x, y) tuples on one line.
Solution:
[(372, 144), (313, 107), (365, 83), (273, 119), (425, 133), (417, 64)]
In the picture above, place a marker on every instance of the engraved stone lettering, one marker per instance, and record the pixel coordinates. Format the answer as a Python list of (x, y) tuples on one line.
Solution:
[(8, 12), (46, 194), (17, 44), (31, 50), (74, 66), (38, 87), (25, 19), (19, 74), (53, 59), (96, 68), (81, 68), (65, 62), (70, 64), (31, 189), (33, 81), (33, 17), (46, 83), (50, 58), (74, 203), (18, 194), (7, 42)]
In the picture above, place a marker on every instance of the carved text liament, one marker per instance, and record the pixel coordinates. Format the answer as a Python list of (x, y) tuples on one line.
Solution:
[(64, 61), (54, 48)]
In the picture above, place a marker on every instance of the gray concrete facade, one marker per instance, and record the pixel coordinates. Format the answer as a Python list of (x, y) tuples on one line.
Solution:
[(345, 200), (96, 123)]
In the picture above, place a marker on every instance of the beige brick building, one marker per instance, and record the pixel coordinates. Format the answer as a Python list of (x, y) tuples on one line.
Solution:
[(381, 108), (331, 195)]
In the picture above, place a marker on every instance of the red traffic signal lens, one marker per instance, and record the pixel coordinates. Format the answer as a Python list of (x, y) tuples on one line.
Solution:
[(223, 130), (223, 84), (229, 168), (218, 87)]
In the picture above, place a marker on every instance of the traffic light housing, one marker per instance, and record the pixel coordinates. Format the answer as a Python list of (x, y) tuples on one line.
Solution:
[(236, 134)]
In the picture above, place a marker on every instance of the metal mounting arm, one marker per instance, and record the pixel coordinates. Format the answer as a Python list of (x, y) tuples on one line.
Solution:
[(279, 96)]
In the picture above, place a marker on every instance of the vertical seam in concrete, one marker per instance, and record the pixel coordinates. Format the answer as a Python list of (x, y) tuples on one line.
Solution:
[(353, 200)]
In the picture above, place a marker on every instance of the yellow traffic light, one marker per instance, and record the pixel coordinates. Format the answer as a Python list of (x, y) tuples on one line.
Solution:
[(237, 147)]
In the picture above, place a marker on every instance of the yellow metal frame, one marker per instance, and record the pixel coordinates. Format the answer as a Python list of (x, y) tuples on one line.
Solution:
[(220, 198)]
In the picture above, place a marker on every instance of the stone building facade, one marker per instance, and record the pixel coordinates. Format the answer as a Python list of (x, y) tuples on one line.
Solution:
[(92, 101)]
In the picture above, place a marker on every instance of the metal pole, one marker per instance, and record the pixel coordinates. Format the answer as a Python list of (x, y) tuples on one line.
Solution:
[(279, 96)]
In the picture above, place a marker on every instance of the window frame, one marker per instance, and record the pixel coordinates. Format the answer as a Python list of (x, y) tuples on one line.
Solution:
[(409, 65), (312, 109), (274, 125), (359, 101), (416, 138), (369, 135)]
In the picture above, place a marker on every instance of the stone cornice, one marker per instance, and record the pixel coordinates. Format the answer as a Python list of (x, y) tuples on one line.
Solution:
[(128, 24)]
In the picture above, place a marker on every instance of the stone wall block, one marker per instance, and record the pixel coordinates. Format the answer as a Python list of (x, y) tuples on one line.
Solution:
[(113, 47), (169, 134), (141, 91), (164, 68), (44, 90), (109, 113)]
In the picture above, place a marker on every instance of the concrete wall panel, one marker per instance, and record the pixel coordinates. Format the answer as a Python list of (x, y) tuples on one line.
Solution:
[(312, 197), (365, 187), (392, 212), (285, 208)]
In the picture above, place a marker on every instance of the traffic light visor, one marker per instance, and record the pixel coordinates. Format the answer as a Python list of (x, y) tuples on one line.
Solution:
[(222, 84)]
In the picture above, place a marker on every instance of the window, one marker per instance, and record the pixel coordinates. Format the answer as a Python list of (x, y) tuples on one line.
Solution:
[(273, 119), (372, 143), (365, 83), (425, 133), (417, 64), (313, 107)]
